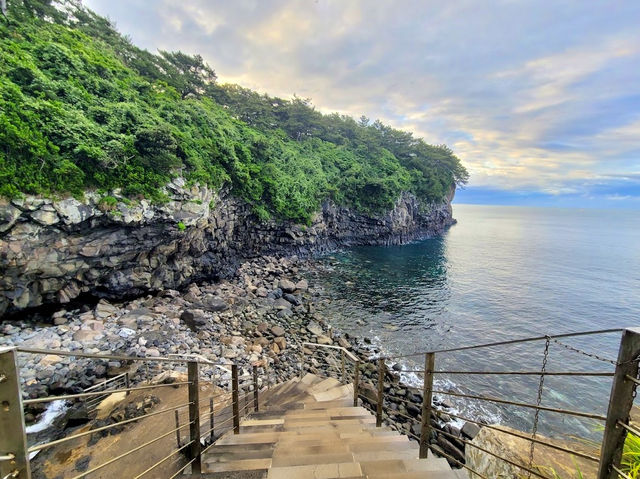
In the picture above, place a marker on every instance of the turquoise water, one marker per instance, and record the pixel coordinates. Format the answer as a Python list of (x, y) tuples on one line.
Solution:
[(501, 273)]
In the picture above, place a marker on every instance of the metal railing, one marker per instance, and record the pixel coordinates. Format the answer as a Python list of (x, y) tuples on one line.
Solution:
[(222, 410), (205, 418), (616, 423)]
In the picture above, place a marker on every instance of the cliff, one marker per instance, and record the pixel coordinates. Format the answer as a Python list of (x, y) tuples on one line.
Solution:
[(53, 251)]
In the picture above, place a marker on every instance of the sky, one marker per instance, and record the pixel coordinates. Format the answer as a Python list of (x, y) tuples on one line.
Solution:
[(539, 99)]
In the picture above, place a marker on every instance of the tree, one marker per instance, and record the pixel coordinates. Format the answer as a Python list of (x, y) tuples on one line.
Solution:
[(187, 74)]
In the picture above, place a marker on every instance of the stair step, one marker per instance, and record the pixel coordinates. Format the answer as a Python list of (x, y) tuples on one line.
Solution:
[(461, 473), (356, 446), (262, 464), (323, 385), (346, 470), (308, 428), (310, 459), (334, 394), (414, 475), (233, 452), (289, 449)]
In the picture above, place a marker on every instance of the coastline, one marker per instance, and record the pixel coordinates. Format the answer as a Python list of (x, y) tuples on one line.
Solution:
[(259, 317)]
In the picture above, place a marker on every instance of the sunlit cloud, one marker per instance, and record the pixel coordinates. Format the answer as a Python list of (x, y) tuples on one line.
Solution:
[(532, 97)]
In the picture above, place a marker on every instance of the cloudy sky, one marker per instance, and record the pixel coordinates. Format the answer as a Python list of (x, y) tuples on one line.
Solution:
[(540, 99)]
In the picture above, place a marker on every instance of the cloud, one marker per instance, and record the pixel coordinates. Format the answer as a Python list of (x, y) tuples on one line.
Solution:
[(531, 97)]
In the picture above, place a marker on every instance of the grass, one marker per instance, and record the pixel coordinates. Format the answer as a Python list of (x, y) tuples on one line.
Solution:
[(631, 456), (630, 460)]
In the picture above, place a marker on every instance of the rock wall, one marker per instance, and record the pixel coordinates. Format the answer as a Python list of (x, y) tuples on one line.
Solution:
[(52, 251)]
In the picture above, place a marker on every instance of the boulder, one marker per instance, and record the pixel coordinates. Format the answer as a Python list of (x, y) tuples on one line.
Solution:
[(281, 303), (302, 285), (45, 217), (281, 342), (194, 319), (287, 286), (85, 335), (105, 309), (470, 430), (314, 328), (72, 211), (50, 360), (9, 214), (214, 303), (291, 298), (277, 331)]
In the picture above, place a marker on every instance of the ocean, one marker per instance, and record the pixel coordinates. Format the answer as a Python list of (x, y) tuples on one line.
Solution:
[(501, 273)]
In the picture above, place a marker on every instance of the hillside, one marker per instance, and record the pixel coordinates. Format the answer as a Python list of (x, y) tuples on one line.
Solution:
[(82, 108)]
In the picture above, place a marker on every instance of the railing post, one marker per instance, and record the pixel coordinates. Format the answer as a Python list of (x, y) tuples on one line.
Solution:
[(356, 379), (127, 382), (380, 392), (427, 388), (620, 403), (255, 389), (235, 399), (342, 360), (195, 449), (177, 417), (13, 440)]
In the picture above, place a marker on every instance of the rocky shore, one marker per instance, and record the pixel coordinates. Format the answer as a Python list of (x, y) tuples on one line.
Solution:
[(260, 316), (55, 251), (198, 275)]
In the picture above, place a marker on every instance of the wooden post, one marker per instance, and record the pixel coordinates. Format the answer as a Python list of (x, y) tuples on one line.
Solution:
[(255, 388), (356, 379), (177, 427), (427, 393), (235, 399), (380, 392), (342, 360), (13, 440), (620, 403), (194, 416)]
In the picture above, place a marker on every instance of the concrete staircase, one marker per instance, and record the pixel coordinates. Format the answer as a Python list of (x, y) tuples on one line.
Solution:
[(308, 428)]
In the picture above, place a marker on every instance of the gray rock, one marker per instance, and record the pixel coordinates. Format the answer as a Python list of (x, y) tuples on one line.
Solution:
[(470, 430), (105, 309), (72, 211), (277, 331), (302, 285), (287, 286), (45, 217), (282, 303), (284, 313), (292, 299), (314, 328), (9, 214), (213, 303)]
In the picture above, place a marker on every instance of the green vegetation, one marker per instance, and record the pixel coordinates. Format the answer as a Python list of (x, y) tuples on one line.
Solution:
[(81, 107), (181, 226), (631, 456)]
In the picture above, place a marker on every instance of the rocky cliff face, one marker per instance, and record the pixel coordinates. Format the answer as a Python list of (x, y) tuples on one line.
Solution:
[(52, 251)]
